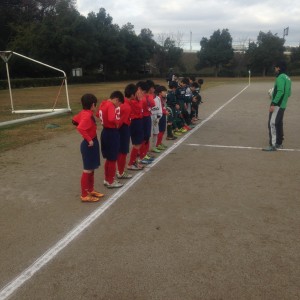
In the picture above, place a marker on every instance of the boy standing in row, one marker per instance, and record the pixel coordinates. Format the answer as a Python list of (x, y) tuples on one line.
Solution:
[(86, 125), (136, 125), (109, 115)]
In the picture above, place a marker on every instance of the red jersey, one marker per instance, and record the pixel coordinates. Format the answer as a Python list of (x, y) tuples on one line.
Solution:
[(136, 109), (86, 124), (125, 111), (147, 103), (109, 115)]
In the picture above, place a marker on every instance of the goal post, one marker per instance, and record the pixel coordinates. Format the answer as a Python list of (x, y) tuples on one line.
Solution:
[(6, 55)]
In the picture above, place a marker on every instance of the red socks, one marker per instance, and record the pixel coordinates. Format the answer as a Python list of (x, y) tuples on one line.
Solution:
[(144, 149), (133, 155), (85, 183), (110, 171), (121, 162), (159, 138)]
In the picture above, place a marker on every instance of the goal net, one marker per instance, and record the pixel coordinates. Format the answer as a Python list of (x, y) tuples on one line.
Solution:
[(45, 102)]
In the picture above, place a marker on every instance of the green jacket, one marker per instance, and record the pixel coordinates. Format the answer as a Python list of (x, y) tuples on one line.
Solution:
[(282, 91)]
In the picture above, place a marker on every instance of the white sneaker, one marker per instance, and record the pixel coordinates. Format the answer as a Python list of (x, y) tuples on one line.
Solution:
[(115, 184)]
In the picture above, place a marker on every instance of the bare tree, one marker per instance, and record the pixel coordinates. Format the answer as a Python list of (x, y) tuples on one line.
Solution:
[(177, 38)]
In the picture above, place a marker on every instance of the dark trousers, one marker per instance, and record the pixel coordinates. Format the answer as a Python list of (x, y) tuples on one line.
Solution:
[(275, 125)]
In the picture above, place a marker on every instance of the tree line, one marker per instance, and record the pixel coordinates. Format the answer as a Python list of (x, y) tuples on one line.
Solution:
[(54, 32)]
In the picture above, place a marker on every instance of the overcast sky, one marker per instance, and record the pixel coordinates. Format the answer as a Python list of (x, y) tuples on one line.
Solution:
[(195, 19)]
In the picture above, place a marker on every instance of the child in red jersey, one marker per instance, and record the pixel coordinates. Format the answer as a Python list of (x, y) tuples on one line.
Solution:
[(136, 126), (147, 104), (86, 126), (109, 114), (125, 112)]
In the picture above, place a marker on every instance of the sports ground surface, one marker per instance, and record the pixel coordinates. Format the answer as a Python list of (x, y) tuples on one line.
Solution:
[(213, 218)]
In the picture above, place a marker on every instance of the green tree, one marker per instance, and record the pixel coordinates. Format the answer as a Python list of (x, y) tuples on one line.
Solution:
[(262, 54), (216, 51)]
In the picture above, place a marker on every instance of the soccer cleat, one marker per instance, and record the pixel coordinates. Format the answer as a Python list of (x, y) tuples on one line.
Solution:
[(163, 145), (177, 133), (125, 175), (186, 127), (182, 130), (149, 157), (96, 194), (160, 147), (115, 184), (171, 137), (278, 146), (269, 148), (135, 167), (89, 198), (155, 150), (146, 161)]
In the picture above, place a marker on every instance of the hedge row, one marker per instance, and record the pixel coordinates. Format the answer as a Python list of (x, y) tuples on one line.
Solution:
[(41, 82)]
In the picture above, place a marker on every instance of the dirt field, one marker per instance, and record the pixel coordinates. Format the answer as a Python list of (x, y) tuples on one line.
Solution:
[(214, 218)]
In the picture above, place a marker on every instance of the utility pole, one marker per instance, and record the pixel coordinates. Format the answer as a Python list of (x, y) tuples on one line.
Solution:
[(285, 32)]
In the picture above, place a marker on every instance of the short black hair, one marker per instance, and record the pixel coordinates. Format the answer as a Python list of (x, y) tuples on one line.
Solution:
[(195, 85), (150, 83), (87, 100), (281, 65), (200, 81), (117, 94), (173, 85), (130, 90), (160, 89), (185, 80), (142, 85)]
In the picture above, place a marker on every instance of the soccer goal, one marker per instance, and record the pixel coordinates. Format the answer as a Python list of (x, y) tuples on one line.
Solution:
[(40, 112)]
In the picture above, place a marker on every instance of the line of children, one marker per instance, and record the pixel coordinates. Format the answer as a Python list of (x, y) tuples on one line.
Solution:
[(145, 109)]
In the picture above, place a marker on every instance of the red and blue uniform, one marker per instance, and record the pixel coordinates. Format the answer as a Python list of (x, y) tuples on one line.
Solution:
[(109, 116), (136, 125), (87, 127), (147, 104)]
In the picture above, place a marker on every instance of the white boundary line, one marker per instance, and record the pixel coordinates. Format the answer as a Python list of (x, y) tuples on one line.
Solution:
[(239, 147), (18, 281)]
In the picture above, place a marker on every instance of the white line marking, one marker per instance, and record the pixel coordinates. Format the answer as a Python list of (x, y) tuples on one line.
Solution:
[(239, 147), (18, 281)]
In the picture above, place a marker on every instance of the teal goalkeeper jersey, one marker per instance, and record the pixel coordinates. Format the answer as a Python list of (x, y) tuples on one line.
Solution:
[(282, 91)]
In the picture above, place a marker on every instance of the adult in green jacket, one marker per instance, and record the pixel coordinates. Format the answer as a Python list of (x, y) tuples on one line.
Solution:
[(281, 94)]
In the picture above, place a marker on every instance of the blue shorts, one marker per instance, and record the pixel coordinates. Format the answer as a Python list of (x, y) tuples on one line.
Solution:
[(124, 139), (162, 124), (110, 143), (136, 131), (90, 155), (147, 123)]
